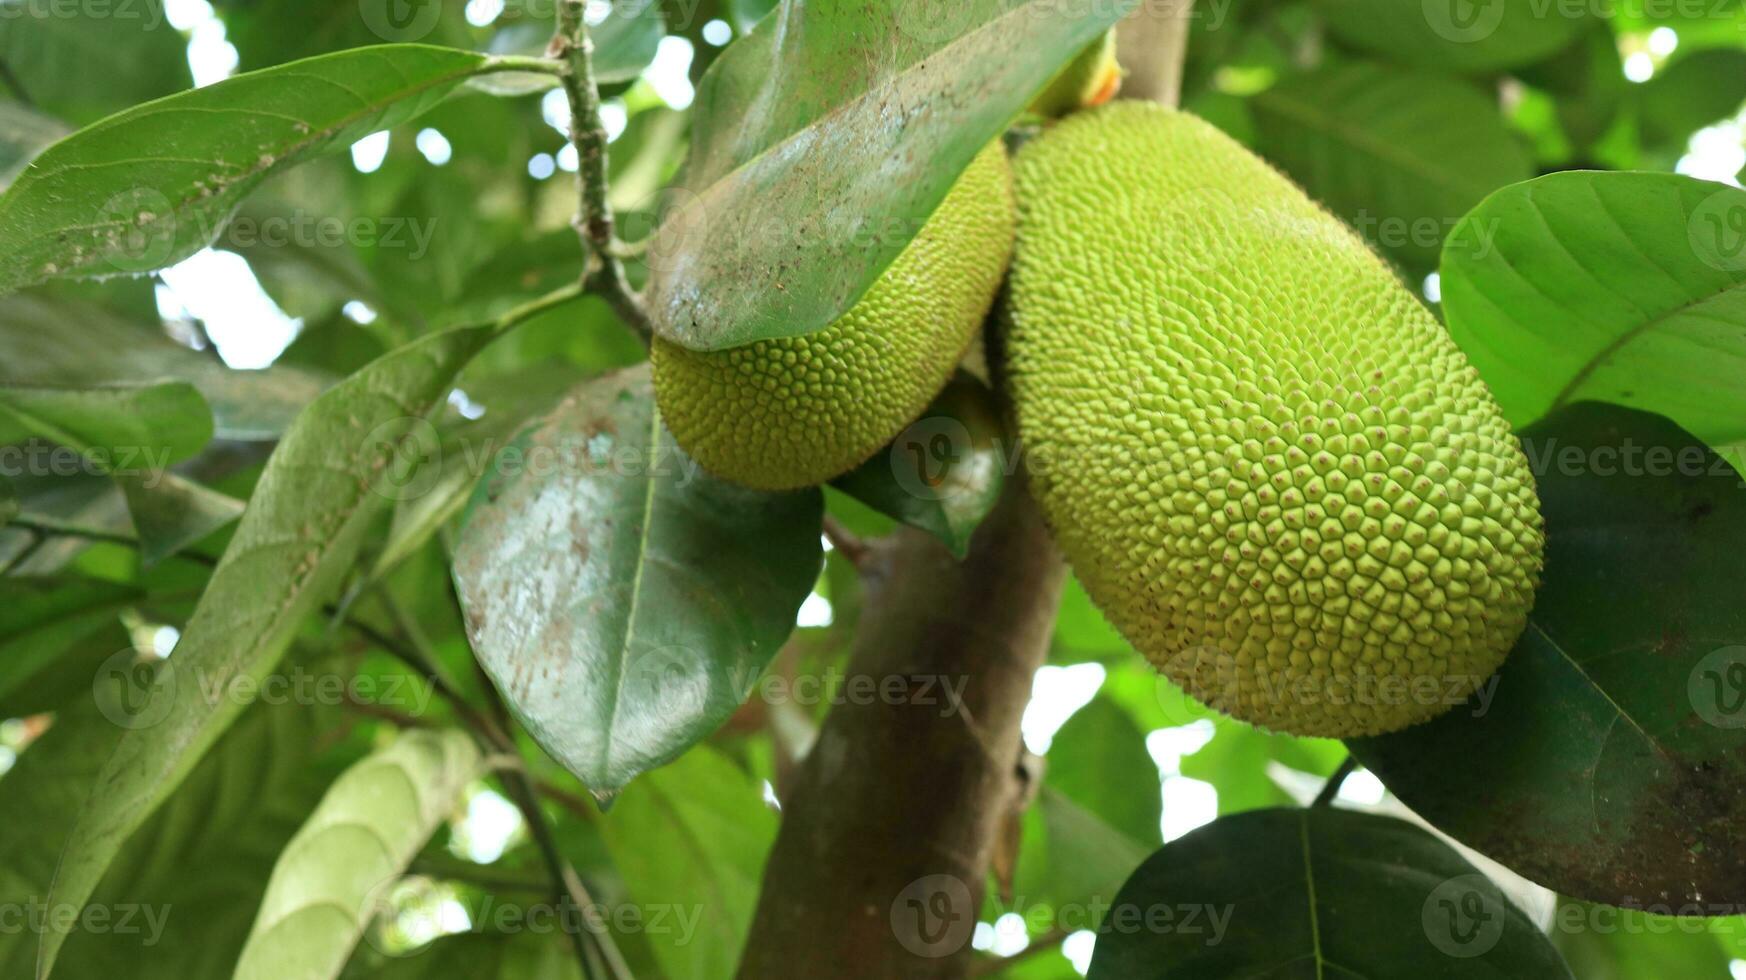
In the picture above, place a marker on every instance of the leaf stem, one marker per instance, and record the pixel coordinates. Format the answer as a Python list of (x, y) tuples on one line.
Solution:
[(1332, 786), (846, 542), (603, 271)]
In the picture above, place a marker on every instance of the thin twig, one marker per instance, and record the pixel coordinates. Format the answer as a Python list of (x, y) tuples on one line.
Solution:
[(1331, 788), (846, 542), (603, 273)]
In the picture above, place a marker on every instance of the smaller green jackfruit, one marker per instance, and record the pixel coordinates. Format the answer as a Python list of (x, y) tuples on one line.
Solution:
[(796, 411)]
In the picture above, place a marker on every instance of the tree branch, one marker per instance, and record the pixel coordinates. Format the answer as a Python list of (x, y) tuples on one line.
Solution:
[(1151, 44), (603, 273), (887, 835)]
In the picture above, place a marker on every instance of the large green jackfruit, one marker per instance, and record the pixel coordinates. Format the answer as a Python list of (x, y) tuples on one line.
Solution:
[(1270, 466), (792, 412)]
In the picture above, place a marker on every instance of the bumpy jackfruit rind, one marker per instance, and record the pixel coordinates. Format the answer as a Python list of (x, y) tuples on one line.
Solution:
[(796, 411), (1271, 467)]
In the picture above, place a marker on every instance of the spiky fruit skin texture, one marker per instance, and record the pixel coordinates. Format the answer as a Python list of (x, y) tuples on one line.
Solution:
[(1270, 466), (792, 412)]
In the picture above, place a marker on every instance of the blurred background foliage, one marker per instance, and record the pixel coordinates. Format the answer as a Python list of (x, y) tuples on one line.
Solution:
[(1398, 130)]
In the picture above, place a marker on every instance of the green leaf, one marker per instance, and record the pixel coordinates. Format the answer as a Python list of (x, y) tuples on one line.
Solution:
[(1607, 762), (823, 140), (8, 500), (1691, 92), (152, 185), (1235, 763), (623, 600), (1354, 136), (125, 427), (45, 341), (1461, 35), (230, 818), (1099, 760), (42, 618), (944, 472), (170, 513), (487, 956), (1070, 856), (691, 838), (23, 134), (331, 474), (82, 61), (624, 43), (337, 870), (1316, 892), (1620, 287)]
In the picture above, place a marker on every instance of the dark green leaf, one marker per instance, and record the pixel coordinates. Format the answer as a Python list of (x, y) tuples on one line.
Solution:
[(125, 427), (831, 124), (1606, 760), (82, 61), (1691, 92), (1313, 893), (623, 600), (151, 185), (944, 471), (1099, 760), (332, 473), (691, 838), (46, 341), (232, 816), (1619, 287), (1355, 137), (170, 513), (40, 620), (1463, 35), (339, 867)]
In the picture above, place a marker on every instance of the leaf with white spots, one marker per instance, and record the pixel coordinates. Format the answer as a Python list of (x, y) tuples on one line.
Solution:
[(154, 184)]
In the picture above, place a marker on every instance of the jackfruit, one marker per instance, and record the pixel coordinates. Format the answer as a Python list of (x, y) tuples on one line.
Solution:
[(1270, 466), (795, 411)]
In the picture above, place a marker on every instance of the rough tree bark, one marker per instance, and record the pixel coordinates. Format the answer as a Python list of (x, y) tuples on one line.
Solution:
[(888, 831), (886, 835)]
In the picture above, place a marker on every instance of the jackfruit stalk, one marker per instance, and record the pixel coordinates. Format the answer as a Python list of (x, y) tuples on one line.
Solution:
[(1270, 466), (791, 412)]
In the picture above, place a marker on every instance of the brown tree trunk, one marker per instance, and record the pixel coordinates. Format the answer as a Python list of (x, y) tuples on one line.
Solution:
[(879, 867)]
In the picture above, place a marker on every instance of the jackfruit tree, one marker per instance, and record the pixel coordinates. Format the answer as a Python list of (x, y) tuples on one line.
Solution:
[(918, 488)]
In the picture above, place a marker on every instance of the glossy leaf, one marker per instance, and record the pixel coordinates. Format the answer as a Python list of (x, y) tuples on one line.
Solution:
[(330, 476), (1621, 287), (823, 140), (944, 472), (1355, 137), (1460, 35), (151, 185), (1609, 759), (333, 875), (1315, 892), (623, 600), (692, 838)]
